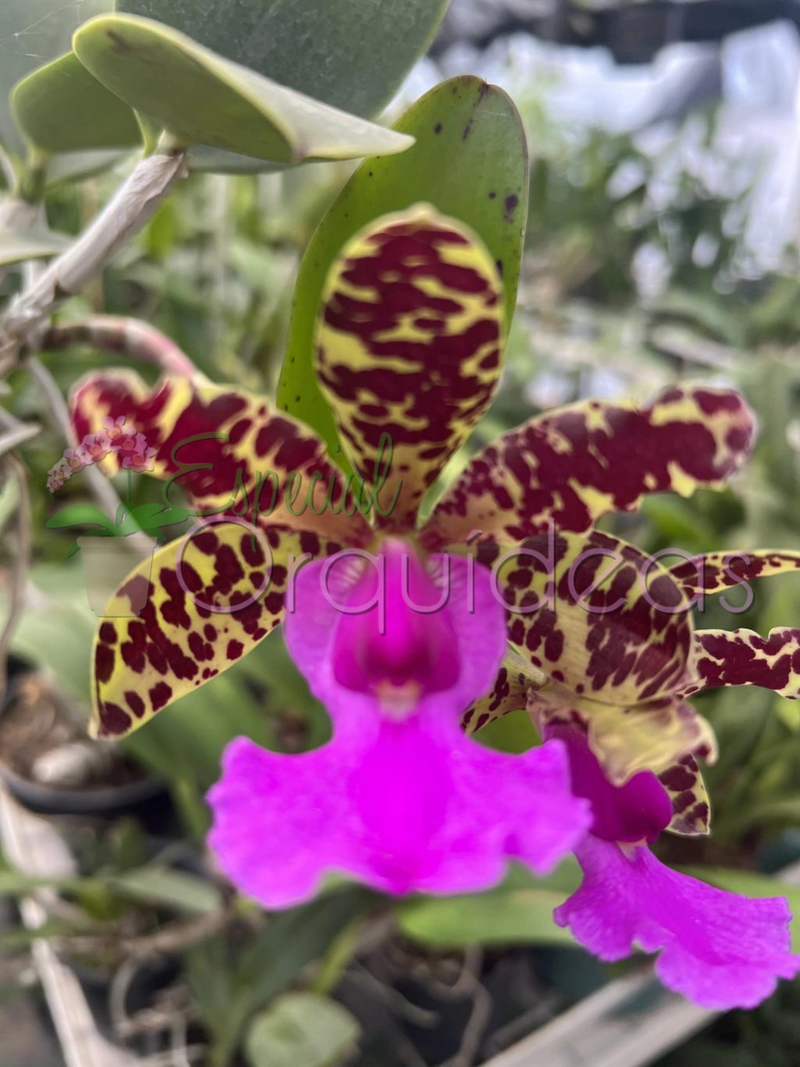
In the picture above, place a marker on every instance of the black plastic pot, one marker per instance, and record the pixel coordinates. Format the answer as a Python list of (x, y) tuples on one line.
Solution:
[(145, 798)]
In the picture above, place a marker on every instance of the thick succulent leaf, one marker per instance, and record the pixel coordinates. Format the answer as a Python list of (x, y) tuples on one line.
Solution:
[(594, 614), (60, 107), (652, 736), (18, 246), (716, 571), (351, 54), (202, 98), (470, 161), (581, 462), (31, 33), (408, 351), (743, 657), (231, 451), (211, 597), (515, 680), (76, 166), (691, 810)]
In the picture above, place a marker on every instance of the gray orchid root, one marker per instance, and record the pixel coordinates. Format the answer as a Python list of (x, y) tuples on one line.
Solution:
[(129, 337), (123, 217)]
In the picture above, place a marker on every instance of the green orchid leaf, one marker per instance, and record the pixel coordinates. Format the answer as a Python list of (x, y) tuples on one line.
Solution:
[(33, 32), (351, 54), (76, 166), (151, 517), (19, 246), (202, 98), (518, 912), (172, 888), (470, 161), (301, 1028), (60, 107), (79, 515)]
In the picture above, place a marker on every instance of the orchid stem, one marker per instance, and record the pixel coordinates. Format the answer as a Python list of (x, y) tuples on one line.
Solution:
[(19, 573), (122, 218), (115, 333)]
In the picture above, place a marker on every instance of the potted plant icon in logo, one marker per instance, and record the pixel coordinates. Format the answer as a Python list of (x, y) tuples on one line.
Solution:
[(115, 546)]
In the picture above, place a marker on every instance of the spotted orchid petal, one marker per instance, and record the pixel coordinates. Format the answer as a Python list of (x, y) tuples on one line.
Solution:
[(629, 740), (408, 351), (595, 615), (576, 464), (399, 797), (719, 949), (188, 614), (715, 572), (744, 657), (514, 682), (229, 450), (691, 809)]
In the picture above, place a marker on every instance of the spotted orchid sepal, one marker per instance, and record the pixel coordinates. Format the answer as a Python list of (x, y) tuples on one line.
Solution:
[(395, 647), (409, 345)]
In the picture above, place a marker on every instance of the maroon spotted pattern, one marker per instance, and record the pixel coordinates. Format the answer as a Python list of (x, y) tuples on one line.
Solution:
[(542, 470), (743, 657), (443, 388)]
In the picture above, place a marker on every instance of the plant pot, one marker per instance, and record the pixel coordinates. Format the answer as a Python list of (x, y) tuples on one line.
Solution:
[(107, 561), (144, 796)]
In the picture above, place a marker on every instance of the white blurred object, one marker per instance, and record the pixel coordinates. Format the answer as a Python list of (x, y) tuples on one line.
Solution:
[(756, 73)]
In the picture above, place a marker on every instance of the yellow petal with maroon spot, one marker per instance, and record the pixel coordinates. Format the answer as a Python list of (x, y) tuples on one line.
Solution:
[(230, 450), (645, 737), (714, 572), (594, 614), (209, 598), (408, 351), (691, 810), (515, 679), (744, 657), (581, 462)]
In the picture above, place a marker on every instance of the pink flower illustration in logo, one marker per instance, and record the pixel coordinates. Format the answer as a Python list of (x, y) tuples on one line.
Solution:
[(76, 460), (141, 458), (117, 436), (96, 446), (117, 429), (57, 475)]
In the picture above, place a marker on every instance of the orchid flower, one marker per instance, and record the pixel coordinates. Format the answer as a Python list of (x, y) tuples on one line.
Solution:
[(409, 347), (58, 475), (138, 457), (75, 460), (96, 446), (719, 949)]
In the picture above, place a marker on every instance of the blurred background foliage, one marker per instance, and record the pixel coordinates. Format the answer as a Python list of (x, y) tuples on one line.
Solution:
[(636, 274)]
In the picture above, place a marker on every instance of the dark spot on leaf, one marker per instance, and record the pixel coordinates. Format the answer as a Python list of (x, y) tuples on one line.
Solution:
[(511, 204), (499, 264), (467, 130), (437, 129), (484, 89), (119, 43), (492, 195)]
